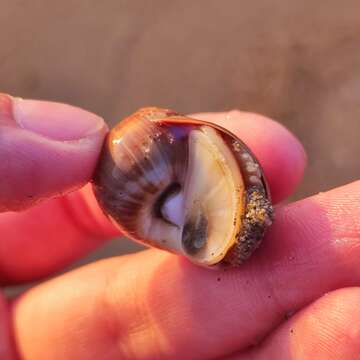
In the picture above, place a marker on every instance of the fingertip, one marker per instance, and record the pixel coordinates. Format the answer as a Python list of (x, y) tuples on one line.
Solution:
[(48, 149)]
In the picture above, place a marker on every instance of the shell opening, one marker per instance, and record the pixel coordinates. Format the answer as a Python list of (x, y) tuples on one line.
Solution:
[(214, 198)]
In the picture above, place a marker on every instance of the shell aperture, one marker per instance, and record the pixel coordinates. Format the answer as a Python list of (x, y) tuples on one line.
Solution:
[(183, 185)]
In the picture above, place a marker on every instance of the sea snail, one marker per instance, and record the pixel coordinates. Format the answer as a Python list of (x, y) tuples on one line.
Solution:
[(183, 185)]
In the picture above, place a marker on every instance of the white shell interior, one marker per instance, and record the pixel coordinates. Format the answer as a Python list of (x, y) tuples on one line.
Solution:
[(215, 188)]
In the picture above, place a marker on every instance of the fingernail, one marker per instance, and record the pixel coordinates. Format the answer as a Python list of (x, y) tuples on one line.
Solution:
[(53, 120)]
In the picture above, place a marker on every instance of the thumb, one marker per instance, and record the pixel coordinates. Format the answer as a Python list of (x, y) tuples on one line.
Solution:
[(46, 149)]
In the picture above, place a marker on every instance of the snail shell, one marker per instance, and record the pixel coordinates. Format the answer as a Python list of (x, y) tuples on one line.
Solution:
[(183, 185)]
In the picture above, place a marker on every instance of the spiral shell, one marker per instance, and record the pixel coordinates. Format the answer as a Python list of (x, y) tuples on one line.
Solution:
[(183, 185)]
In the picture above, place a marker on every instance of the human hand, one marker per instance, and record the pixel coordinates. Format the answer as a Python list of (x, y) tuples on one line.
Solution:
[(296, 298)]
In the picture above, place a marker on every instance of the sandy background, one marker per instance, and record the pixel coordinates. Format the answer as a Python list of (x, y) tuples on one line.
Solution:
[(295, 61)]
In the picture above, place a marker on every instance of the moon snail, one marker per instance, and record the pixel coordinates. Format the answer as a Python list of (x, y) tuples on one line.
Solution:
[(183, 185)]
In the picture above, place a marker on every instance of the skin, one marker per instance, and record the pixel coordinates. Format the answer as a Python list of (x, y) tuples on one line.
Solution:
[(297, 296)]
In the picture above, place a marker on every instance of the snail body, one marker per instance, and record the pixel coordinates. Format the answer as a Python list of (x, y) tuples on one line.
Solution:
[(183, 185)]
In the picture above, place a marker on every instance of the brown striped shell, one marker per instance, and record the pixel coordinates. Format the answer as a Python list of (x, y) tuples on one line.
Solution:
[(183, 185)]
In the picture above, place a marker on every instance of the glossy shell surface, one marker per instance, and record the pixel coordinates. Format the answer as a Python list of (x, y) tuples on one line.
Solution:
[(183, 185)]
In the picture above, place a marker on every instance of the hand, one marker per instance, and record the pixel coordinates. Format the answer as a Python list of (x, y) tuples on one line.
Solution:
[(296, 298)]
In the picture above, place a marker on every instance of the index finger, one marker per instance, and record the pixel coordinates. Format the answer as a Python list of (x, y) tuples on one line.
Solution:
[(154, 305)]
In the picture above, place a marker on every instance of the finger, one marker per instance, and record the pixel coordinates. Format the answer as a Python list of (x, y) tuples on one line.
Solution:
[(155, 305), (74, 224), (46, 149), (7, 346), (48, 237), (328, 329)]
